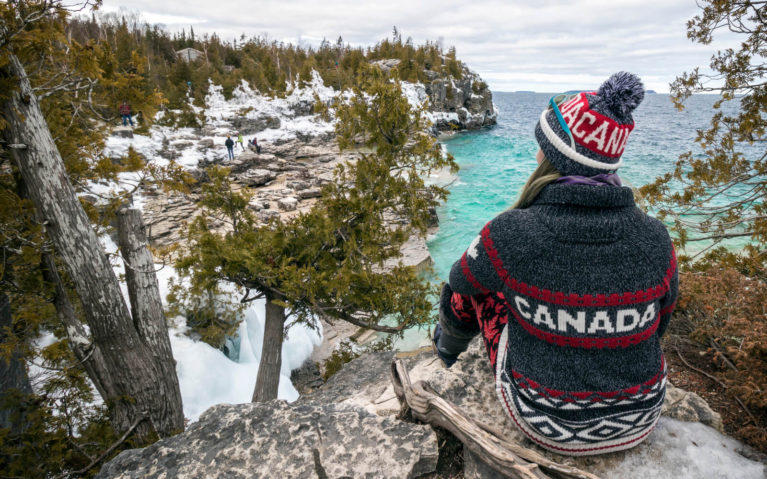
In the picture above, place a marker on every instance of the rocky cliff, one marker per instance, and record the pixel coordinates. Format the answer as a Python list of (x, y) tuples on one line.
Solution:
[(461, 104), (349, 427), (454, 104)]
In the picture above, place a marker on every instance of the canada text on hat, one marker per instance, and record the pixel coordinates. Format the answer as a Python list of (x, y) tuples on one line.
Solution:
[(599, 133)]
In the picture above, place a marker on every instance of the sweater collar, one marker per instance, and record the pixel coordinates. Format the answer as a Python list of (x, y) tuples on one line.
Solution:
[(585, 195)]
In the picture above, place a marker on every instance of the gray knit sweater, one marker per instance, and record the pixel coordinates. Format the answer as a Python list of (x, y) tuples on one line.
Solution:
[(587, 283)]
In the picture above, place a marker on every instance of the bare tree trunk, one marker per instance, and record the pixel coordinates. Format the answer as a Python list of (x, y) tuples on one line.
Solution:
[(146, 304), (135, 378), (86, 352), (271, 353), (13, 373)]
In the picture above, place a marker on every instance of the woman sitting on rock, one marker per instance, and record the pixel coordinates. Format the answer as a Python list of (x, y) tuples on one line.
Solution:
[(572, 288)]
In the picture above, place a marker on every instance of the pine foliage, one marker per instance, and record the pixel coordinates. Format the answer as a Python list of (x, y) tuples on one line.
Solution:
[(267, 65), (720, 195)]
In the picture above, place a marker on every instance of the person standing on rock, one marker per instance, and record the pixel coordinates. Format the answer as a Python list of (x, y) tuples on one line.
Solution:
[(125, 113), (229, 146), (241, 141), (255, 145), (572, 288)]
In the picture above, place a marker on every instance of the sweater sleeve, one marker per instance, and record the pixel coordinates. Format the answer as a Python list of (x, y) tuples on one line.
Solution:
[(458, 320), (474, 272), (668, 301)]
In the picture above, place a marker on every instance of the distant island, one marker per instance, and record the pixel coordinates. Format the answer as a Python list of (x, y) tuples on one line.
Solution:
[(651, 91)]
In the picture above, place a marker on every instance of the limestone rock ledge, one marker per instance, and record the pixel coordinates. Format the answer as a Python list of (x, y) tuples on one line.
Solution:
[(348, 427), (276, 439)]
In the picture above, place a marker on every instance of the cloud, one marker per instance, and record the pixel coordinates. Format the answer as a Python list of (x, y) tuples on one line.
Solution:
[(543, 45)]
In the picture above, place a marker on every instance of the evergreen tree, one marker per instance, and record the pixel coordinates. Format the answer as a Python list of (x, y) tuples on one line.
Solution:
[(723, 195), (330, 260)]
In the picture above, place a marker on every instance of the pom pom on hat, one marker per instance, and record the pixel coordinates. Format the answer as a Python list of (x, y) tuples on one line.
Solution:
[(621, 93)]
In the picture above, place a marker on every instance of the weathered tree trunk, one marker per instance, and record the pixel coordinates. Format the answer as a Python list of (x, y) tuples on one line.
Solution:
[(146, 303), (135, 386), (268, 378), (86, 352), (13, 373)]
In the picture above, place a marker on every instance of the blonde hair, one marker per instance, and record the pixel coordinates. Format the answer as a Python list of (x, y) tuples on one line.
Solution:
[(542, 176)]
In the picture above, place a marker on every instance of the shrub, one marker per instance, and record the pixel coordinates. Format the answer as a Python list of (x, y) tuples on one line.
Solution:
[(726, 312)]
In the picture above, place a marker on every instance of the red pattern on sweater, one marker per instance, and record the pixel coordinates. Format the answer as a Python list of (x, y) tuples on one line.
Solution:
[(572, 299)]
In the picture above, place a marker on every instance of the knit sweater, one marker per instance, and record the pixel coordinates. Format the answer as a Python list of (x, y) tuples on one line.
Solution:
[(572, 295)]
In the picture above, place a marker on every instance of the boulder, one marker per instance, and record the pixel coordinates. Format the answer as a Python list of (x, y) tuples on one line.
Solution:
[(348, 427), (182, 145), (688, 406), (256, 177), (298, 185), (205, 144), (200, 175), (469, 97), (243, 162), (302, 107), (386, 64), (287, 204), (248, 126), (307, 377), (310, 193), (266, 215), (324, 178), (300, 440), (259, 204), (365, 383)]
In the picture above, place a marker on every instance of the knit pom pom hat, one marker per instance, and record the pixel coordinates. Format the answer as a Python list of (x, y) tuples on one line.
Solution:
[(600, 123)]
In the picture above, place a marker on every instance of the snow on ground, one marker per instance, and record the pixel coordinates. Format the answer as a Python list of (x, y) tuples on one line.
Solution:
[(208, 377), (245, 104), (249, 104), (682, 450)]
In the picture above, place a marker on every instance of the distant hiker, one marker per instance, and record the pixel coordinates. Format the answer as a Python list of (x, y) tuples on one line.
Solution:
[(255, 145), (241, 141), (125, 112), (572, 288), (230, 146)]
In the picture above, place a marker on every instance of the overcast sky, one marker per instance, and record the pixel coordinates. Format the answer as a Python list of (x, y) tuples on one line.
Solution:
[(541, 45)]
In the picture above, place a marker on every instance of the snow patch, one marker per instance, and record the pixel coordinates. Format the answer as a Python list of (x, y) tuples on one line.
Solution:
[(679, 449)]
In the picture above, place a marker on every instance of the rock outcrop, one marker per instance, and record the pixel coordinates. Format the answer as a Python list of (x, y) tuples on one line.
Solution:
[(349, 427), (275, 439), (461, 104), (464, 103)]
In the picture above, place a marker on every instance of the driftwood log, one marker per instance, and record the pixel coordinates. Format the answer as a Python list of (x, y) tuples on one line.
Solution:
[(507, 458)]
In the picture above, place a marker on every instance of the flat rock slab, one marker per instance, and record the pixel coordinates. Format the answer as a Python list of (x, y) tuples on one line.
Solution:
[(275, 439), (123, 132)]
